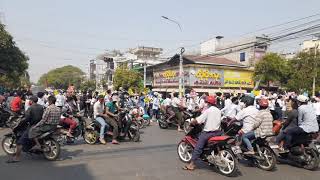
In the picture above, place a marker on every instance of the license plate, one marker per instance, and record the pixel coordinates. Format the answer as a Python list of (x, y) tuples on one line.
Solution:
[(236, 149)]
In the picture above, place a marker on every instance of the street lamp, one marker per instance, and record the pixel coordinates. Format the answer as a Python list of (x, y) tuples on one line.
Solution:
[(181, 74)]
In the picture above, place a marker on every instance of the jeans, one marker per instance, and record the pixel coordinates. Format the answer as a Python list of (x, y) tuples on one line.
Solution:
[(294, 131), (103, 127), (202, 141), (246, 139)]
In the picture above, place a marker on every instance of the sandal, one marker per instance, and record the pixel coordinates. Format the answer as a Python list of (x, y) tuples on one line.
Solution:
[(187, 168)]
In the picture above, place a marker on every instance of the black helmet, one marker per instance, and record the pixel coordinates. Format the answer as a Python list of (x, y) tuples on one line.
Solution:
[(247, 100)]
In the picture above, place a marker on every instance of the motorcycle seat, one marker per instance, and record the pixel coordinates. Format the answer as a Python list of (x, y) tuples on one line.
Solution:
[(218, 138)]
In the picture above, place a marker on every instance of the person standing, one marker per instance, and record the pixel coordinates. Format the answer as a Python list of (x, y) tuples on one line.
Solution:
[(60, 99), (176, 106)]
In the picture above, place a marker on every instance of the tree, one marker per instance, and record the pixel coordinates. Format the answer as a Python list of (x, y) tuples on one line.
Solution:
[(62, 77), (303, 68), (127, 78), (88, 85), (271, 67), (13, 61)]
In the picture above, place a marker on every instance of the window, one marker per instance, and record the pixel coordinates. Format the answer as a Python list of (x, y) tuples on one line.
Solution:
[(242, 56)]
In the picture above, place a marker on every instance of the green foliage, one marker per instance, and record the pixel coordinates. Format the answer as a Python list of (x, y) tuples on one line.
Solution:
[(12, 60), (271, 67), (88, 85), (126, 78), (62, 77), (302, 70)]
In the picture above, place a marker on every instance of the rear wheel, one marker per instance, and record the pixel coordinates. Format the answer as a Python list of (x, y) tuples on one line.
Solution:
[(230, 163), (314, 160), (269, 159), (9, 145), (185, 150), (51, 149), (163, 125), (90, 136), (134, 134)]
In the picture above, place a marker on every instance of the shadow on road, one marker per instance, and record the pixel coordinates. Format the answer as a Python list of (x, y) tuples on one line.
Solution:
[(38, 168)]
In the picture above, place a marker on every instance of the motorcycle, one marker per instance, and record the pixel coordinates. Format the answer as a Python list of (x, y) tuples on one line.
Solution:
[(264, 158), (187, 116), (304, 151), (50, 147), (217, 153), (80, 130), (93, 129)]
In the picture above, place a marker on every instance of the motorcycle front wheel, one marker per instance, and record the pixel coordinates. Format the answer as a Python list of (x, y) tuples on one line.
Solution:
[(184, 151), (9, 145), (51, 149), (90, 136)]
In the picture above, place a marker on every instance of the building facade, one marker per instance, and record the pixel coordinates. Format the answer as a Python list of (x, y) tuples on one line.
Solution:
[(203, 74), (246, 52)]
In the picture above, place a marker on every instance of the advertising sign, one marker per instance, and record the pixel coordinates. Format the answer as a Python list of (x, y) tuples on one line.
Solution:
[(169, 77), (234, 78), (206, 77)]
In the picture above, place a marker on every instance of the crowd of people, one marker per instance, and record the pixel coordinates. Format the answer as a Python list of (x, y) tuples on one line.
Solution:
[(43, 110)]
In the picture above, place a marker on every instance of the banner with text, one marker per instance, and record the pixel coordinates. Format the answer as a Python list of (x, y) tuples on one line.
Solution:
[(234, 78)]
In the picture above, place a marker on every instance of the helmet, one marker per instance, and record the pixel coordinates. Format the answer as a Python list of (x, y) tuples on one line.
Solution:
[(302, 98), (263, 102), (247, 100), (211, 100), (274, 95)]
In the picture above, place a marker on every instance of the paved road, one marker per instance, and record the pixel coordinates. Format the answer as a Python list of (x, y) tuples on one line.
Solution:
[(154, 158)]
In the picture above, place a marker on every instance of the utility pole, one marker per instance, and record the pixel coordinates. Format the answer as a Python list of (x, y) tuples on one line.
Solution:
[(181, 74), (316, 45), (145, 74)]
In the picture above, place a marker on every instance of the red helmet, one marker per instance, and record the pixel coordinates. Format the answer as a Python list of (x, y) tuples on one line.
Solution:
[(263, 102), (211, 100)]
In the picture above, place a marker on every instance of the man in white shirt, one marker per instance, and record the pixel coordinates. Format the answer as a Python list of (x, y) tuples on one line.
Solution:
[(232, 110), (211, 117), (99, 115), (176, 104), (60, 100)]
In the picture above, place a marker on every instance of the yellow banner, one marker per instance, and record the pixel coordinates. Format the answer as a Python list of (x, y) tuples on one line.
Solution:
[(234, 78)]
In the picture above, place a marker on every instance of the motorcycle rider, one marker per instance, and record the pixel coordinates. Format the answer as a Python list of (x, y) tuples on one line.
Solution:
[(100, 116), (49, 121), (261, 127), (211, 117), (176, 105), (247, 115), (69, 109), (16, 104), (307, 122), (32, 116), (113, 119)]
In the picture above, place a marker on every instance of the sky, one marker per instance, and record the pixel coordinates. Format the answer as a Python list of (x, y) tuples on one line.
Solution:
[(54, 33)]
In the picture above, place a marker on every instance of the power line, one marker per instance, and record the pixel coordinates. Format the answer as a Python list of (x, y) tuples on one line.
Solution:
[(281, 24)]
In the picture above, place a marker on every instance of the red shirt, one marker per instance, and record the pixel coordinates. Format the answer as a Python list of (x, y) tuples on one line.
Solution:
[(16, 104)]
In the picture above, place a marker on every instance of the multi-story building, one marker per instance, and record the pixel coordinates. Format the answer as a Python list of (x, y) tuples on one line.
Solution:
[(103, 67), (247, 51), (311, 45)]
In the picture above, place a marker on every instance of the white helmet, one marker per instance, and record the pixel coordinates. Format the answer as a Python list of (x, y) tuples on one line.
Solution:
[(302, 98), (274, 96)]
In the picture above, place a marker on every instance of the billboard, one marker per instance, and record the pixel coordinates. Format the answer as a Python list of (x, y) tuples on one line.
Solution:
[(234, 78), (207, 77)]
